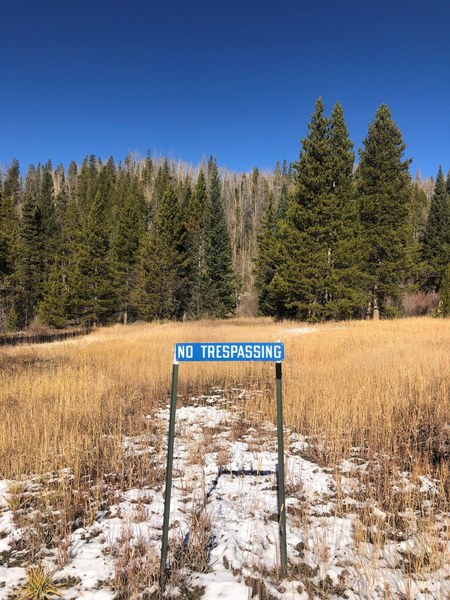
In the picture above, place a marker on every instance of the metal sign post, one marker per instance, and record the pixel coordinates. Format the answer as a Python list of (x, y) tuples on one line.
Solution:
[(280, 486), (227, 352), (170, 445)]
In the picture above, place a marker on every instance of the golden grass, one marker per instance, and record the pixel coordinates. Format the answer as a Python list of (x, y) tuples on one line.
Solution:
[(380, 386), (39, 585), (378, 391)]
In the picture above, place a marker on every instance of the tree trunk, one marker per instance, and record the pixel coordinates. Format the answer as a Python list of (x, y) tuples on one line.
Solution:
[(376, 309)]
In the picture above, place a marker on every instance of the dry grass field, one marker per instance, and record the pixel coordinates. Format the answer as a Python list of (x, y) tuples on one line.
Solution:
[(372, 395)]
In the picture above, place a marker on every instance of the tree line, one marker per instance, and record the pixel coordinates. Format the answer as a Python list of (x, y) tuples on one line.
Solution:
[(107, 243), (152, 239)]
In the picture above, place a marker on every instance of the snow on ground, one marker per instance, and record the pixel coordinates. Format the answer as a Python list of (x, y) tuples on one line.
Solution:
[(308, 329), (300, 330), (224, 500)]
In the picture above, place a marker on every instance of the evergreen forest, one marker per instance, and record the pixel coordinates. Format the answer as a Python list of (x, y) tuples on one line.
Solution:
[(328, 237)]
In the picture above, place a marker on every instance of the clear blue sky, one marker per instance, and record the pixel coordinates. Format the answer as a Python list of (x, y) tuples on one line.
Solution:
[(235, 79)]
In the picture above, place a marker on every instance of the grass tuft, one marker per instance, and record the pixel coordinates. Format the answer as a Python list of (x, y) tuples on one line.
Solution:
[(40, 585)]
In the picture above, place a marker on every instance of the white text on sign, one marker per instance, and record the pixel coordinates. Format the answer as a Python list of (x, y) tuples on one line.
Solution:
[(229, 351)]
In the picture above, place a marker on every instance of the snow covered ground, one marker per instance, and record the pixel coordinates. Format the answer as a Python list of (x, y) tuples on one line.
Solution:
[(224, 531)]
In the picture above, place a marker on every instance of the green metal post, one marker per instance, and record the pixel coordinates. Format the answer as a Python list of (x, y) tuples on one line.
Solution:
[(170, 445), (281, 495)]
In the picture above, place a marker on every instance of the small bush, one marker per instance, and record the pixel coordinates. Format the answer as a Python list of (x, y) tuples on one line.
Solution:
[(417, 305)]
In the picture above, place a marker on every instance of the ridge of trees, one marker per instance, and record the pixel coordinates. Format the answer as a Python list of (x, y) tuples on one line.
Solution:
[(317, 240)]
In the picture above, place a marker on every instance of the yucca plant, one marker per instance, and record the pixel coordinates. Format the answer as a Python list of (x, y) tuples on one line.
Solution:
[(39, 585)]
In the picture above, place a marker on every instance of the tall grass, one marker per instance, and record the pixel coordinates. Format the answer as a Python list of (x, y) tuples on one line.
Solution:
[(380, 386), (374, 392)]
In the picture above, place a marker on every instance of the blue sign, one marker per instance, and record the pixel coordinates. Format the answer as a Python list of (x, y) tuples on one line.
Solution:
[(229, 351)]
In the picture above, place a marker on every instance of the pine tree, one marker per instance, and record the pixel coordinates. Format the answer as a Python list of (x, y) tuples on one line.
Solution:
[(147, 176), (196, 248), (147, 170), (316, 274), (161, 264), (436, 239), (419, 211), (343, 283), (185, 194), (302, 255), (384, 194), (61, 197), (106, 185), (10, 195), (282, 203), (72, 180), (71, 231), (93, 294), (87, 182), (38, 243), (220, 296), (129, 231), (53, 308), (185, 290), (49, 231), (30, 252), (162, 180)]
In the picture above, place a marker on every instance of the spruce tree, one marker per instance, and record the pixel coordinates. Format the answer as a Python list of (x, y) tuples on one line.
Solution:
[(316, 274), (184, 294), (343, 283), (10, 196), (30, 256), (147, 170), (87, 182), (106, 185), (196, 248), (282, 203), (436, 239), (162, 180), (49, 231), (161, 264), (61, 197), (128, 233), (69, 250), (384, 196), (220, 295), (419, 211), (298, 285), (72, 177), (53, 308), (93, 294)]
